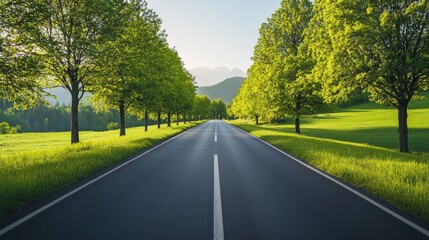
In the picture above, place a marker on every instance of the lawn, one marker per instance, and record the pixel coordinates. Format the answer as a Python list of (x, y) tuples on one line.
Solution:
[(33, 165), (370, 123), (358, 145)]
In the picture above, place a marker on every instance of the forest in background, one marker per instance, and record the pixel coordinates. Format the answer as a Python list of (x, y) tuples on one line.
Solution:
[(56, 118)]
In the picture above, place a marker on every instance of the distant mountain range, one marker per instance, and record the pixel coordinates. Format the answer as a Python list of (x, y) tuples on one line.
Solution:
[(225, 90), (208, 77)]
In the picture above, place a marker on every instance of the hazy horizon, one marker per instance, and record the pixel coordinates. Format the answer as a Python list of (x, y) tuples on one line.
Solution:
[(214, 33)]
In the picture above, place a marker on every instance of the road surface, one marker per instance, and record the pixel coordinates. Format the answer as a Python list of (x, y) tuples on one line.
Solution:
[(213, 182)]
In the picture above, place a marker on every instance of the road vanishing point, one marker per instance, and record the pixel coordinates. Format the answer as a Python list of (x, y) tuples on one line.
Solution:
[(217, 182)]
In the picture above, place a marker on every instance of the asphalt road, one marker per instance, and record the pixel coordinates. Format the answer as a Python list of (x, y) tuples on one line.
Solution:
[(213, 182)]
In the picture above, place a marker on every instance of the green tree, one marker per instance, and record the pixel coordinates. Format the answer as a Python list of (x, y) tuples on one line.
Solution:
[(69, 35), (20, 68), (169, 81), (380, 46), (279, 80), (181, 98), (5, 128), (201, 108), (248, 102), (218, 108), (296, 90), (123, 66), (168, 88)]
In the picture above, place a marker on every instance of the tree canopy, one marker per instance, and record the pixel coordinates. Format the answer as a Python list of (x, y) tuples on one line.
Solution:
[(279, 83), (379, 46)]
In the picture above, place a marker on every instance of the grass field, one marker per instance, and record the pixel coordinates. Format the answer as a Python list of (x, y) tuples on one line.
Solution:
[(369, 123), (358, 145), (33, 165)]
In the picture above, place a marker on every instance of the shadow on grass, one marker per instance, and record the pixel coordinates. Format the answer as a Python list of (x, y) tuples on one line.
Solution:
[(287, 140), (339, 148), (381, 136)]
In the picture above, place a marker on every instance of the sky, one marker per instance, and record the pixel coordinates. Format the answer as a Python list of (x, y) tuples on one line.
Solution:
[(213, 33)]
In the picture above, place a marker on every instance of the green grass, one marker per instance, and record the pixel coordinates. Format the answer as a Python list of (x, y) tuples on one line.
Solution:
[(33, 165), (369, 123), (358, 145)]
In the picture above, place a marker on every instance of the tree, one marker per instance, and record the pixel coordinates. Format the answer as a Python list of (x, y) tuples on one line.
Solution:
[(169, 82), (201, 108), (169, 87), (69, 35), (380, 46), (5, 128), (181, 98), (248, 101), (20, 68), (123, 66), (279, 80), (298, 93), (218, 109)]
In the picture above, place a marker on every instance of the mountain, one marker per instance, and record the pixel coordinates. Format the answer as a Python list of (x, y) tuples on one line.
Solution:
[(208, 77), (63, 96), (225, 90)]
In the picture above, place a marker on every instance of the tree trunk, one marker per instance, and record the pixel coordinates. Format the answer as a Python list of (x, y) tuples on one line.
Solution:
[(177, 119), (169, 120), (257, 119), (184, 118), (75, 114), (122, 118), (297, 126), (146, 119), (297, 122), (159, 120), (403, 127)]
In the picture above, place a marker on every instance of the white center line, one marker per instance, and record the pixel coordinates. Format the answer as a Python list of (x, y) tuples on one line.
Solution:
[(215, 139), (217, 206)]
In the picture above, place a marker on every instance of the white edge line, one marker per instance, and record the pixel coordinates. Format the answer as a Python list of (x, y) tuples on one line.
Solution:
[(36, 212), (218, 233), (387, 210)]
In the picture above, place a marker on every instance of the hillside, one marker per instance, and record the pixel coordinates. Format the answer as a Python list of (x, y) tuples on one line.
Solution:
[(208, 77), (225, 90)]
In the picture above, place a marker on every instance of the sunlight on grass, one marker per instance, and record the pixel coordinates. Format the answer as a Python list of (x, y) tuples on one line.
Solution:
[(401, 179), (368, 123), (27, 174), (15, 143)]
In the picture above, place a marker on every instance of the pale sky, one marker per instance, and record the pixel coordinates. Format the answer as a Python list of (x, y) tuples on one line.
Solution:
[(212, 33)]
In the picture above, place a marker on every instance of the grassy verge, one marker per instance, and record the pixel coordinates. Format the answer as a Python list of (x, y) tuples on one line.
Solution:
[(399, 178), (27, 174)]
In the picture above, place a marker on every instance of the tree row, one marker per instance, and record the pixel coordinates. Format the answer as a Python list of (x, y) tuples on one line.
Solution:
[(310, 55), (114, 49)]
